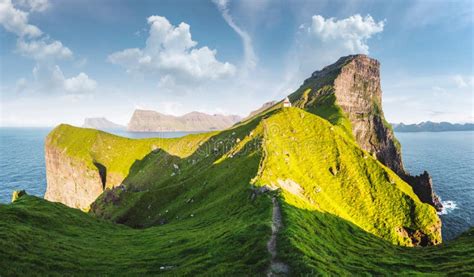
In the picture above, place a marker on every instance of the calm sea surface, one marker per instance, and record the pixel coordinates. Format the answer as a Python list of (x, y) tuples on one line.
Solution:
[(448, 156)]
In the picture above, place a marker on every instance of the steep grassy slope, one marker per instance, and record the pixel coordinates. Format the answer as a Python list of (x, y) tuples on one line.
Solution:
[(317, 243), (320, 168), (162, 187)]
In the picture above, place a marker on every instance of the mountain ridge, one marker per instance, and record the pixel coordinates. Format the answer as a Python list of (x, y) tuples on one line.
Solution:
[(153, 121), (429, 126)]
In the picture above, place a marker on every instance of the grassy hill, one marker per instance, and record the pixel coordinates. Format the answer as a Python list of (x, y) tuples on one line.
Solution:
[(316, 165), (202, 204)]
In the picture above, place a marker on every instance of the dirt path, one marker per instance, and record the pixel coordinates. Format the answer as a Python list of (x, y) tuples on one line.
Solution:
[(276, 268)]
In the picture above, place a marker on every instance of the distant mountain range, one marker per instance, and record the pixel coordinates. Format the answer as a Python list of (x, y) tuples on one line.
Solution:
[(101, 123), (429, 126), (152, 121)]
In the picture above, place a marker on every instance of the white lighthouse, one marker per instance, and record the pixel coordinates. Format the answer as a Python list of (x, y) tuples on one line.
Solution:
[(286, 103)]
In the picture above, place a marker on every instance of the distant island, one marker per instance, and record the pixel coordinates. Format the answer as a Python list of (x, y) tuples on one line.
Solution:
[(101, 123), (152, 121), (429, 126)]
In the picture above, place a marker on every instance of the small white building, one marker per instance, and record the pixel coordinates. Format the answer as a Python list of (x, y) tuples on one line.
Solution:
[(286, 103)]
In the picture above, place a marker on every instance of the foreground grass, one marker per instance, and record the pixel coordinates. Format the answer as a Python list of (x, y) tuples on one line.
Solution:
[(40, 237), (317, 243)]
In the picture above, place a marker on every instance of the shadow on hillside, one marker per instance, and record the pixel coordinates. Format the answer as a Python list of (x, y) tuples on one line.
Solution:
[(161, 179)]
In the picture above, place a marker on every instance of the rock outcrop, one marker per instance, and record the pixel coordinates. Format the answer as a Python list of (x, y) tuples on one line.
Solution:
[(423, 188), (101, 123), (352, 84), (151, 121)]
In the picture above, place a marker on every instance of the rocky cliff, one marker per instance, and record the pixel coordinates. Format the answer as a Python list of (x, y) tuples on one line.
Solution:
[(151, 121), (69, 180), (348, 93), (101, 123)]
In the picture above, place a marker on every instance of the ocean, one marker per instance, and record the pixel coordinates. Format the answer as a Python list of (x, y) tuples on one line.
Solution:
[(447, 156)]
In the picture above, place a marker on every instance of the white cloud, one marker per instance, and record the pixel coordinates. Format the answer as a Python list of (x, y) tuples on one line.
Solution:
[(48, 76), (323, 41), (80, 83), (33, 5), (51, 78), (41, 50), (170, 51), (350, 33), (250, 59), (16, 21)]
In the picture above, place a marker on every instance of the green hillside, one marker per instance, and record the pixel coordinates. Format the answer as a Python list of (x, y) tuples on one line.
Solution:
[(316, 164), (202, 204)]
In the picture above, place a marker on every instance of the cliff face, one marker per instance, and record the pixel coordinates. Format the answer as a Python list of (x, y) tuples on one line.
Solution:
[(358, 93), (350, 89), (151, 121), (69, 180)]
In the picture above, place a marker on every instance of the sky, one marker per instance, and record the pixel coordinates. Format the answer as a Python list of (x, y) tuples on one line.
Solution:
[(64, 60)]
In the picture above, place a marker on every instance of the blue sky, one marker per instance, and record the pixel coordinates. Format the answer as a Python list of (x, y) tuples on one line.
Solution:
[(62, 61)]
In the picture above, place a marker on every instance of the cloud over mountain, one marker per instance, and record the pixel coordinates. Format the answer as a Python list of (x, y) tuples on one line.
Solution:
[(326, 39)]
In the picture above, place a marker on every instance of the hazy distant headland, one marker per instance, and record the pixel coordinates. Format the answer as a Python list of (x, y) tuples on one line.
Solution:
[(101, 123), (153, 121), (429, 126)]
